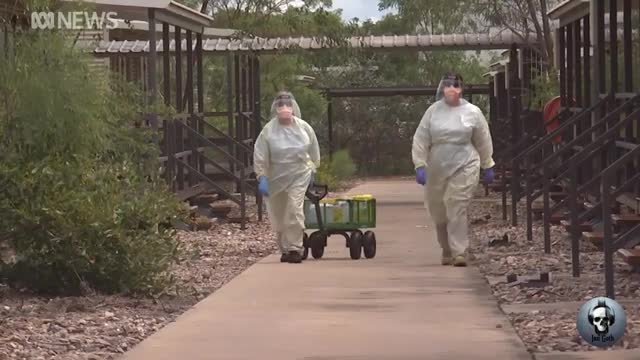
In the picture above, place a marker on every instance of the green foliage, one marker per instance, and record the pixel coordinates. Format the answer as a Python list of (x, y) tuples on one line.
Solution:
[(336, 171), (432, 16), (544, 88), (82, 204), (83, 223), (342, 165)]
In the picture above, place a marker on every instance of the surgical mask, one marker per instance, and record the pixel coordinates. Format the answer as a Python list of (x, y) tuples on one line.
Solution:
[(450, 88), (284, 112), (452, 93)]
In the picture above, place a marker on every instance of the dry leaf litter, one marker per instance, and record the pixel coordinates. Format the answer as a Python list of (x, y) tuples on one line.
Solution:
[(102, 327), (553, 330)]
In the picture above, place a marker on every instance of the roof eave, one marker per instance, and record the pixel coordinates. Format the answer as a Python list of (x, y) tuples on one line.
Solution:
[(568, 8)]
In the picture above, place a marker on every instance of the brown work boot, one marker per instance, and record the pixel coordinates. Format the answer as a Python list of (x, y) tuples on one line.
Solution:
[(443, 240), (446, 259), (294, 257), (460, 260)]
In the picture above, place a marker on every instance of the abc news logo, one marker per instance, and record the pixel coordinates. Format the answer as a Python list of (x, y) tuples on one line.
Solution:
[(74, 20)]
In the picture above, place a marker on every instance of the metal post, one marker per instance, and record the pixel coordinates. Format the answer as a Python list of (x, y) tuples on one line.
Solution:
[(607, 242), (330, 125), (574, 231), (529, 192), (243, 200), (200, 81), (546, 211), (230, 126), (613, 44), (167, 126), (235, 130), (193, 122), (562, 52), (179, 105), (151, 70), (516, 128), (257, 113)]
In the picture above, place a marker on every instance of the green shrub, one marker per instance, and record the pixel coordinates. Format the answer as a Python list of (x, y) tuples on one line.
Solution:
[(335, 172), (342, 165), (544, 87), (82, 201), (86, 223)]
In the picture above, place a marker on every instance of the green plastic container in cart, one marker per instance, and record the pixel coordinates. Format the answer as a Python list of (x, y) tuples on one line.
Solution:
[(346, 216), (343, 213)]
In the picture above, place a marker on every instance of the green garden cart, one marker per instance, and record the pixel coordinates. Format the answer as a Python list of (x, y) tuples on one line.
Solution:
[(352, 217)]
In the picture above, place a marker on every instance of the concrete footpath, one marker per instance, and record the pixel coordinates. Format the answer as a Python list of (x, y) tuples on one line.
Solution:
[(401, 305)]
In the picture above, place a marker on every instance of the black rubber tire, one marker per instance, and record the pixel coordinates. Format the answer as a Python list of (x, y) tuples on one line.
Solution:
[(316, 242), (355, 245), (369, 244), (305, 244)]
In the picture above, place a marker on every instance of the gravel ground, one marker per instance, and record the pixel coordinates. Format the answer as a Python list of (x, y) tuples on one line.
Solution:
[(521, 256), (556, 331), (550, 330), (101, 327), (568, 288)]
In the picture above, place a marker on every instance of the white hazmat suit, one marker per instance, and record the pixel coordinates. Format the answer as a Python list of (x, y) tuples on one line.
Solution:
[(287, 155), (452, 143)]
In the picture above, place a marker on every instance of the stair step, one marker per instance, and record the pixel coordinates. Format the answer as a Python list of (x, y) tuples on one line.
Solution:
[(594, 237), (557, 218), (625, 220), (631, 256), (557, 196), (585, 226)]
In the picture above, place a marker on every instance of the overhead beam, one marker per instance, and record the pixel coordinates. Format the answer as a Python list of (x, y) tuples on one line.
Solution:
[(460, 42), (472, 89)]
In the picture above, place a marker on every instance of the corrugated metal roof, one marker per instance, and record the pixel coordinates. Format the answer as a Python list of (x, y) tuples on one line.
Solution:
[(445, 41), (122, 24)]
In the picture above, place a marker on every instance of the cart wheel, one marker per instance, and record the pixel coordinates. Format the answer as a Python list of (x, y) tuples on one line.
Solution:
[(355, 245), (305, 245), (369, 244), (317, 242)]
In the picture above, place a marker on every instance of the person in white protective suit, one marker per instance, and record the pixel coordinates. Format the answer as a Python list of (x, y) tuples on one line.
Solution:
[(286, 157), (452, 143)]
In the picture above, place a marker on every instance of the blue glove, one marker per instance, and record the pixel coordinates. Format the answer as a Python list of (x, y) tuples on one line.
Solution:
[(421, 175), (262, 186), (488, 175)]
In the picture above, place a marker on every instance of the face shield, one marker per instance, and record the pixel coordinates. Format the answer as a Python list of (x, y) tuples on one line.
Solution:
[(284, 106), (450, 87)]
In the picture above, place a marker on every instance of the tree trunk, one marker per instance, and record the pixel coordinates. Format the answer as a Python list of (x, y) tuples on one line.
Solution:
[(203, 9), (547, 34), (539, 33)]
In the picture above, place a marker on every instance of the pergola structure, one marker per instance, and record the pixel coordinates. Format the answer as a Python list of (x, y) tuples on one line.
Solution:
[(243, 93), (330, 93), (188, 139)]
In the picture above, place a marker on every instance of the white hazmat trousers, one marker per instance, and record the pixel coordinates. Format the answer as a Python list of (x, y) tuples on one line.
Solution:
[(287, 156), (452, 143)]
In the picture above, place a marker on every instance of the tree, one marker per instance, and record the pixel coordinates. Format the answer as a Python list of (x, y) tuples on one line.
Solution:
[(525, 18), (432, 16)]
